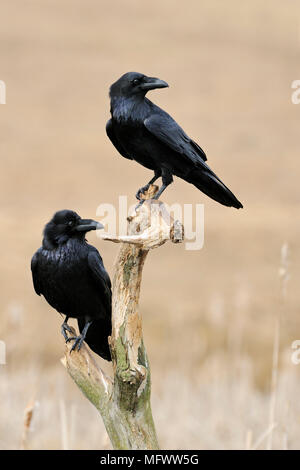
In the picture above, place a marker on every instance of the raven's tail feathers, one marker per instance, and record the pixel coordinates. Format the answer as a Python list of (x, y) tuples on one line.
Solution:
[(97, 336), (213, 187)]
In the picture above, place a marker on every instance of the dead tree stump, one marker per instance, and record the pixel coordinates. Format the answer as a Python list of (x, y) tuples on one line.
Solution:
[(124, 400)]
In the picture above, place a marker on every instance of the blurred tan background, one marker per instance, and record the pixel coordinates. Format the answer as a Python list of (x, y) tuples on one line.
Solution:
[(209, 315)]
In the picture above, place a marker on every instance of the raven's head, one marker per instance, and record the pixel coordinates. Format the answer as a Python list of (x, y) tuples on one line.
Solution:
[(64, 225), (135, 84)]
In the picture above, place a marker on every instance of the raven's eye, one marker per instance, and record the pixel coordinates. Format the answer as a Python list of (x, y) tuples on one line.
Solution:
[(135, 81), (70, 223)]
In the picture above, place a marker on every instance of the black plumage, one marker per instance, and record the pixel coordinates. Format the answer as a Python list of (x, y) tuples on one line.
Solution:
[(143, 132), (71, 276)]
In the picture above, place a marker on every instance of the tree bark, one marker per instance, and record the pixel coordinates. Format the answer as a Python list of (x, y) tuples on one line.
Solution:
[(124, 400)]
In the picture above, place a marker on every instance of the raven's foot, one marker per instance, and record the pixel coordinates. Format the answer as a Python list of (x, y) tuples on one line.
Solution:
[(141, 191), (64, 328), (78, 340)]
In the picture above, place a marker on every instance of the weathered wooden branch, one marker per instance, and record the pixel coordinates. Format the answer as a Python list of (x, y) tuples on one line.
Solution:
[(124, 400)]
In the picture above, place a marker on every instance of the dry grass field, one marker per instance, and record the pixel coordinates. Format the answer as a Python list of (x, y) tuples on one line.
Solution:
[(209, 316)]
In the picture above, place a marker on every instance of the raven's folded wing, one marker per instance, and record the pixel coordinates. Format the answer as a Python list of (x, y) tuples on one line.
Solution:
[(101, 278), (164, 128), (115, 141), (100, 329)]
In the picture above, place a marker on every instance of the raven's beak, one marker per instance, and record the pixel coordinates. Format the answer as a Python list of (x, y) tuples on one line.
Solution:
[(153, 83), (85, 225)]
